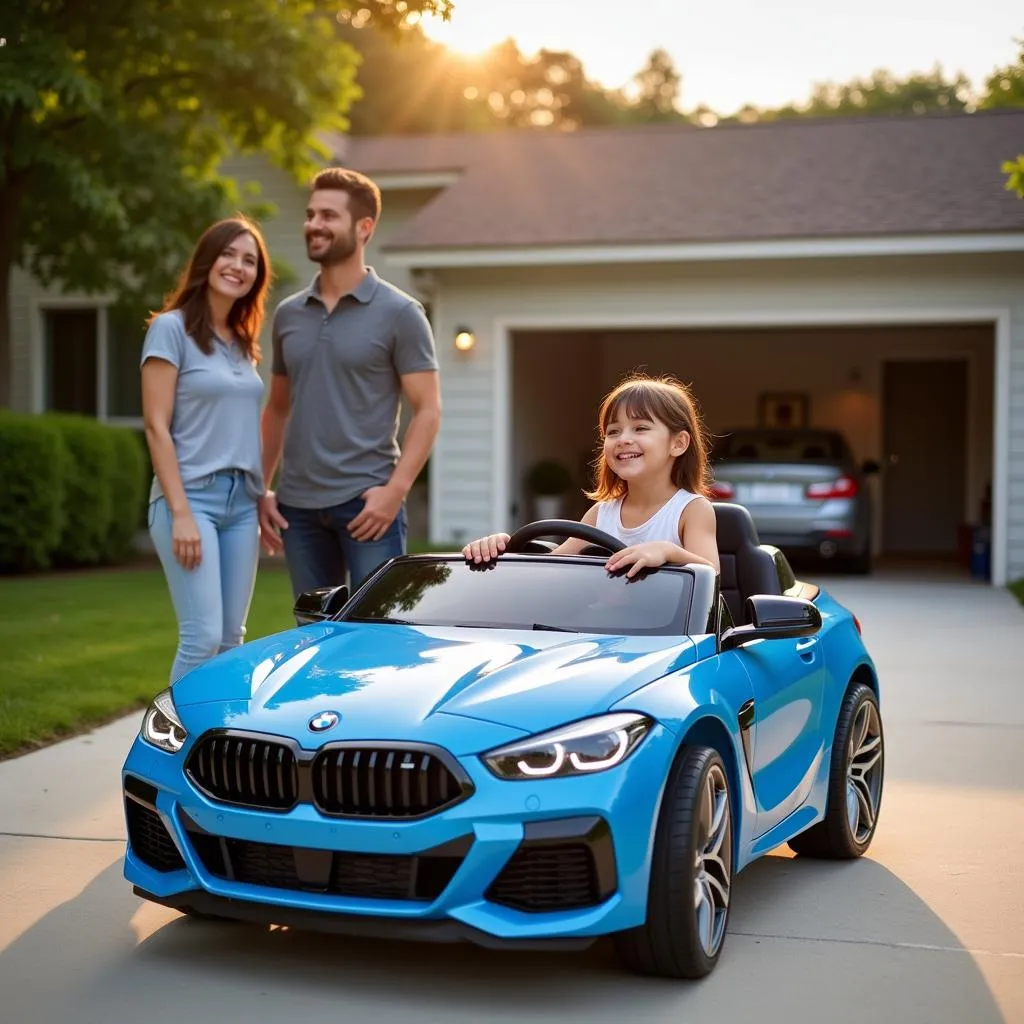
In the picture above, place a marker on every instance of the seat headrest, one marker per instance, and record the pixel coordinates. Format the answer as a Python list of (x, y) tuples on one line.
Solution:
[(735, 528)]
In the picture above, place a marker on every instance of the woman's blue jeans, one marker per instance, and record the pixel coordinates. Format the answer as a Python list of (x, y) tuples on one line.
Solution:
[(211, 600)]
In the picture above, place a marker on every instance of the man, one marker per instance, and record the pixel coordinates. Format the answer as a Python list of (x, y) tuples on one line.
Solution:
[(345, 350)]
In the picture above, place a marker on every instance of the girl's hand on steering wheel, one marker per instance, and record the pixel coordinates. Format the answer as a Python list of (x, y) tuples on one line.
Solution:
[(486, 548)]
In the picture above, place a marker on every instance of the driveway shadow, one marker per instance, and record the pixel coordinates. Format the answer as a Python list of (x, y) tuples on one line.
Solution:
[(804, 936)]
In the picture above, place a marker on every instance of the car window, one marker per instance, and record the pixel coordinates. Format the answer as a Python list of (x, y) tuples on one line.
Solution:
[(781, 446), (526, 592)]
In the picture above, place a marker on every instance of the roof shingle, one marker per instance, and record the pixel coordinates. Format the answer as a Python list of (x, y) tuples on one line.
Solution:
[(837, 177)]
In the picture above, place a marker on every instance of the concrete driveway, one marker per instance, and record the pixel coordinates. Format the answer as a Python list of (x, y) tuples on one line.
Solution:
[(929, 927)]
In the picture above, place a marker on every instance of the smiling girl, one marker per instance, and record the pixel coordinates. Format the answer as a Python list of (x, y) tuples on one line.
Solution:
[(651, 482), (201, 398)]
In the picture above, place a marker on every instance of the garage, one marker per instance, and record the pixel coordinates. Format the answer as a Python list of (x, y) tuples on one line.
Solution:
[(866, 275), (917, 399)]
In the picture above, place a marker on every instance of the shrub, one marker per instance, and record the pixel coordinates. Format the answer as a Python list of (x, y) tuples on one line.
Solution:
[(146, 476), (127, 490), (33, 460), (89, 487)]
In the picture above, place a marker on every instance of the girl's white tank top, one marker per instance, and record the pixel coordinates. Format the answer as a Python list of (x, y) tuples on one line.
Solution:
[(663, 525)]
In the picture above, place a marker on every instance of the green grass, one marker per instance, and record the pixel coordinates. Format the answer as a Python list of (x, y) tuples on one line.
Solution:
[(1017, 589), (81, 648)]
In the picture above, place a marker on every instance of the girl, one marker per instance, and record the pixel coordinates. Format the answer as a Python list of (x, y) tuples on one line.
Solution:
[(652, 481), (201, 398)]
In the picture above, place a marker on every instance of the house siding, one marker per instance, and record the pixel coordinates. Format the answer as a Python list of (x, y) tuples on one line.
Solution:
[(467, 482)]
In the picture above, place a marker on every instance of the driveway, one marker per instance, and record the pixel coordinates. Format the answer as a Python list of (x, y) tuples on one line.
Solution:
[(929, 927)]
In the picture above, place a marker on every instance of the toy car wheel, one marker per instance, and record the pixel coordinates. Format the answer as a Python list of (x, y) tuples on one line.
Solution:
[(691, 874), (855, 782)]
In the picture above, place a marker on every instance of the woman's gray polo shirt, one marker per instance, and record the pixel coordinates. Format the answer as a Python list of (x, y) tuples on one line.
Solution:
[(217, 398), (344, 371)]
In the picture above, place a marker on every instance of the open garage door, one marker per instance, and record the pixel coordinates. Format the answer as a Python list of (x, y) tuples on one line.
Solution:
[(918, 400)]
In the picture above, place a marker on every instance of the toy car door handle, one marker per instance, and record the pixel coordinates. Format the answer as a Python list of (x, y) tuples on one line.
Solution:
[(805, 648)]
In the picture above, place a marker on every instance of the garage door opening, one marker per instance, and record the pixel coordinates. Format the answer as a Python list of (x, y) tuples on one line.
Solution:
[(917, 400)]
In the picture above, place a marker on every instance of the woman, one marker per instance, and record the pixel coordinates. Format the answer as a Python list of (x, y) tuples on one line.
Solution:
[(201, 399)]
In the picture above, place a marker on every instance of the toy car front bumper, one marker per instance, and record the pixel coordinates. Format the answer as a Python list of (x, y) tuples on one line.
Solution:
[(557, 860)]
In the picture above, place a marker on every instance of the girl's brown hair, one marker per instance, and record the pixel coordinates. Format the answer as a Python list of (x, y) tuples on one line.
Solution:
[(246, 316), (670, 402)]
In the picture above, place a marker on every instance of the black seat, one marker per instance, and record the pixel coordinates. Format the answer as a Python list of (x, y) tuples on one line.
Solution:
[(747, 568)]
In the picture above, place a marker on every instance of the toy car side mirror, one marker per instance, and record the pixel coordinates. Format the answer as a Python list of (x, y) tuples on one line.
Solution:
[(319, 604), (774, 618)]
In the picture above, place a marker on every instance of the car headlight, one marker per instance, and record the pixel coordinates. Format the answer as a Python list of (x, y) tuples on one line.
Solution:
[(593, 745), (161, 725)]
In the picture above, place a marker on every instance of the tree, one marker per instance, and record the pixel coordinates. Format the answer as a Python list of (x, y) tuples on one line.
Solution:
[(1005, 88), (879, 93), (410, 84), (658, 86), (548, 90), (115, 116)]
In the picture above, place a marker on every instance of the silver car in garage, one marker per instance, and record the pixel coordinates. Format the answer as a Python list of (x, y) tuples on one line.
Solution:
[(804, 489)]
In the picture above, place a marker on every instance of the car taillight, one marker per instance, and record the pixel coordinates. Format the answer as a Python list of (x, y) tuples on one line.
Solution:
[(856, 622), (843, 487), (721, 491)]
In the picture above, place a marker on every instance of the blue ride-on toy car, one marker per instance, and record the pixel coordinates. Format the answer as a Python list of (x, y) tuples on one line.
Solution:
[(535, 752)]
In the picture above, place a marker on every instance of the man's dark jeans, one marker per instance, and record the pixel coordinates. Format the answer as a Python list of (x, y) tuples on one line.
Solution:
[(322, 553)]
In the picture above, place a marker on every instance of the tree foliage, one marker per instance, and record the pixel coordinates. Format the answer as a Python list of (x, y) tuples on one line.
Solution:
[(880, 93), (1005, 88), (115, 116)]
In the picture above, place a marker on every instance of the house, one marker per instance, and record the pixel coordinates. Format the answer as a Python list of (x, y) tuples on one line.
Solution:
[(872, 269)]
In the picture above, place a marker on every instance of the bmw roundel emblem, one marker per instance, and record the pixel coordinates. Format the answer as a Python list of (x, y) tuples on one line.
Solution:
[(324, 721)]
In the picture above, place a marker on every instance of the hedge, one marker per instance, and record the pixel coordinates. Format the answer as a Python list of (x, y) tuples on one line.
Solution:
[(129, 488), (72, 489), (33, 461), (89, 490)]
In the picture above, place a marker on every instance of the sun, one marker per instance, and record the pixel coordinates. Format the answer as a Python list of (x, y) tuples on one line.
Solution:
[(470, 34)]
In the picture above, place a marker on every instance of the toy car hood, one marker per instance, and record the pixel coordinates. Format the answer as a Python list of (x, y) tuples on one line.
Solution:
[(388, 679)]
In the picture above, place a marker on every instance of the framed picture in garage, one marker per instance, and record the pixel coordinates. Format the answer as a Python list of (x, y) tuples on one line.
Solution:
[(783, 409)]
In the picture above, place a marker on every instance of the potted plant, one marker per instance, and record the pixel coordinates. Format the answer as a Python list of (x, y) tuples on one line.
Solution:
[(548, 482)]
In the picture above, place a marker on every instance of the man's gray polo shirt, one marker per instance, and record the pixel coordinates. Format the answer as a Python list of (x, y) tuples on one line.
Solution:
[(343, 373)]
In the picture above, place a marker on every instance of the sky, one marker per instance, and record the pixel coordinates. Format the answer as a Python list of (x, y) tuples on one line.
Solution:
[(732, 52)]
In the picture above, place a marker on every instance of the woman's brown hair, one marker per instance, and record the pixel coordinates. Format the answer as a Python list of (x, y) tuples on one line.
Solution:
[(246, 316), (668, 401)]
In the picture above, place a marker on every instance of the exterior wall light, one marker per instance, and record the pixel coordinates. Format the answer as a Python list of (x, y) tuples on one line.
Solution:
[(465, 339)]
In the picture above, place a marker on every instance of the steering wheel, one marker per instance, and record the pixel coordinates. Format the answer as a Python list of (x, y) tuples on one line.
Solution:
[(595, 538)]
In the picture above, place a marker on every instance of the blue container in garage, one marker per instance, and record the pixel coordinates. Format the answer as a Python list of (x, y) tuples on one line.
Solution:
[(981, 553)]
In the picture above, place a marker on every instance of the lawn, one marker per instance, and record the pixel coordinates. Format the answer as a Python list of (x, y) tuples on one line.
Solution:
[(81, 648), (1017, 589)]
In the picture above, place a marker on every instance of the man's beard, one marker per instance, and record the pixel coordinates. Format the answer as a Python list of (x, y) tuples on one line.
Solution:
[(338, 251)]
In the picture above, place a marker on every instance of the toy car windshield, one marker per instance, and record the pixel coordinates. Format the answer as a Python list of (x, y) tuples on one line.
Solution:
[(525, 592)]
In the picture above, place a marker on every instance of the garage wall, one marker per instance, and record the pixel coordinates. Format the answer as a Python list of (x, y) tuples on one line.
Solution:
[(556, 380), (560, 378), (489, 301), (840, 368)]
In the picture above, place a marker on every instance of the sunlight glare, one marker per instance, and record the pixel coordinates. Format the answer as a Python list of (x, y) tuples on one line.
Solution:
[(467, 35)]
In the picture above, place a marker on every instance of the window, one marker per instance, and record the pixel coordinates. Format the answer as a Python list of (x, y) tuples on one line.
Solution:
[(91, 361), (71, 346)]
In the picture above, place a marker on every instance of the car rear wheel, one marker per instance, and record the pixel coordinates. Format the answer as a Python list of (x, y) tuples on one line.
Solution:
[(691, 874), (855, 782)]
